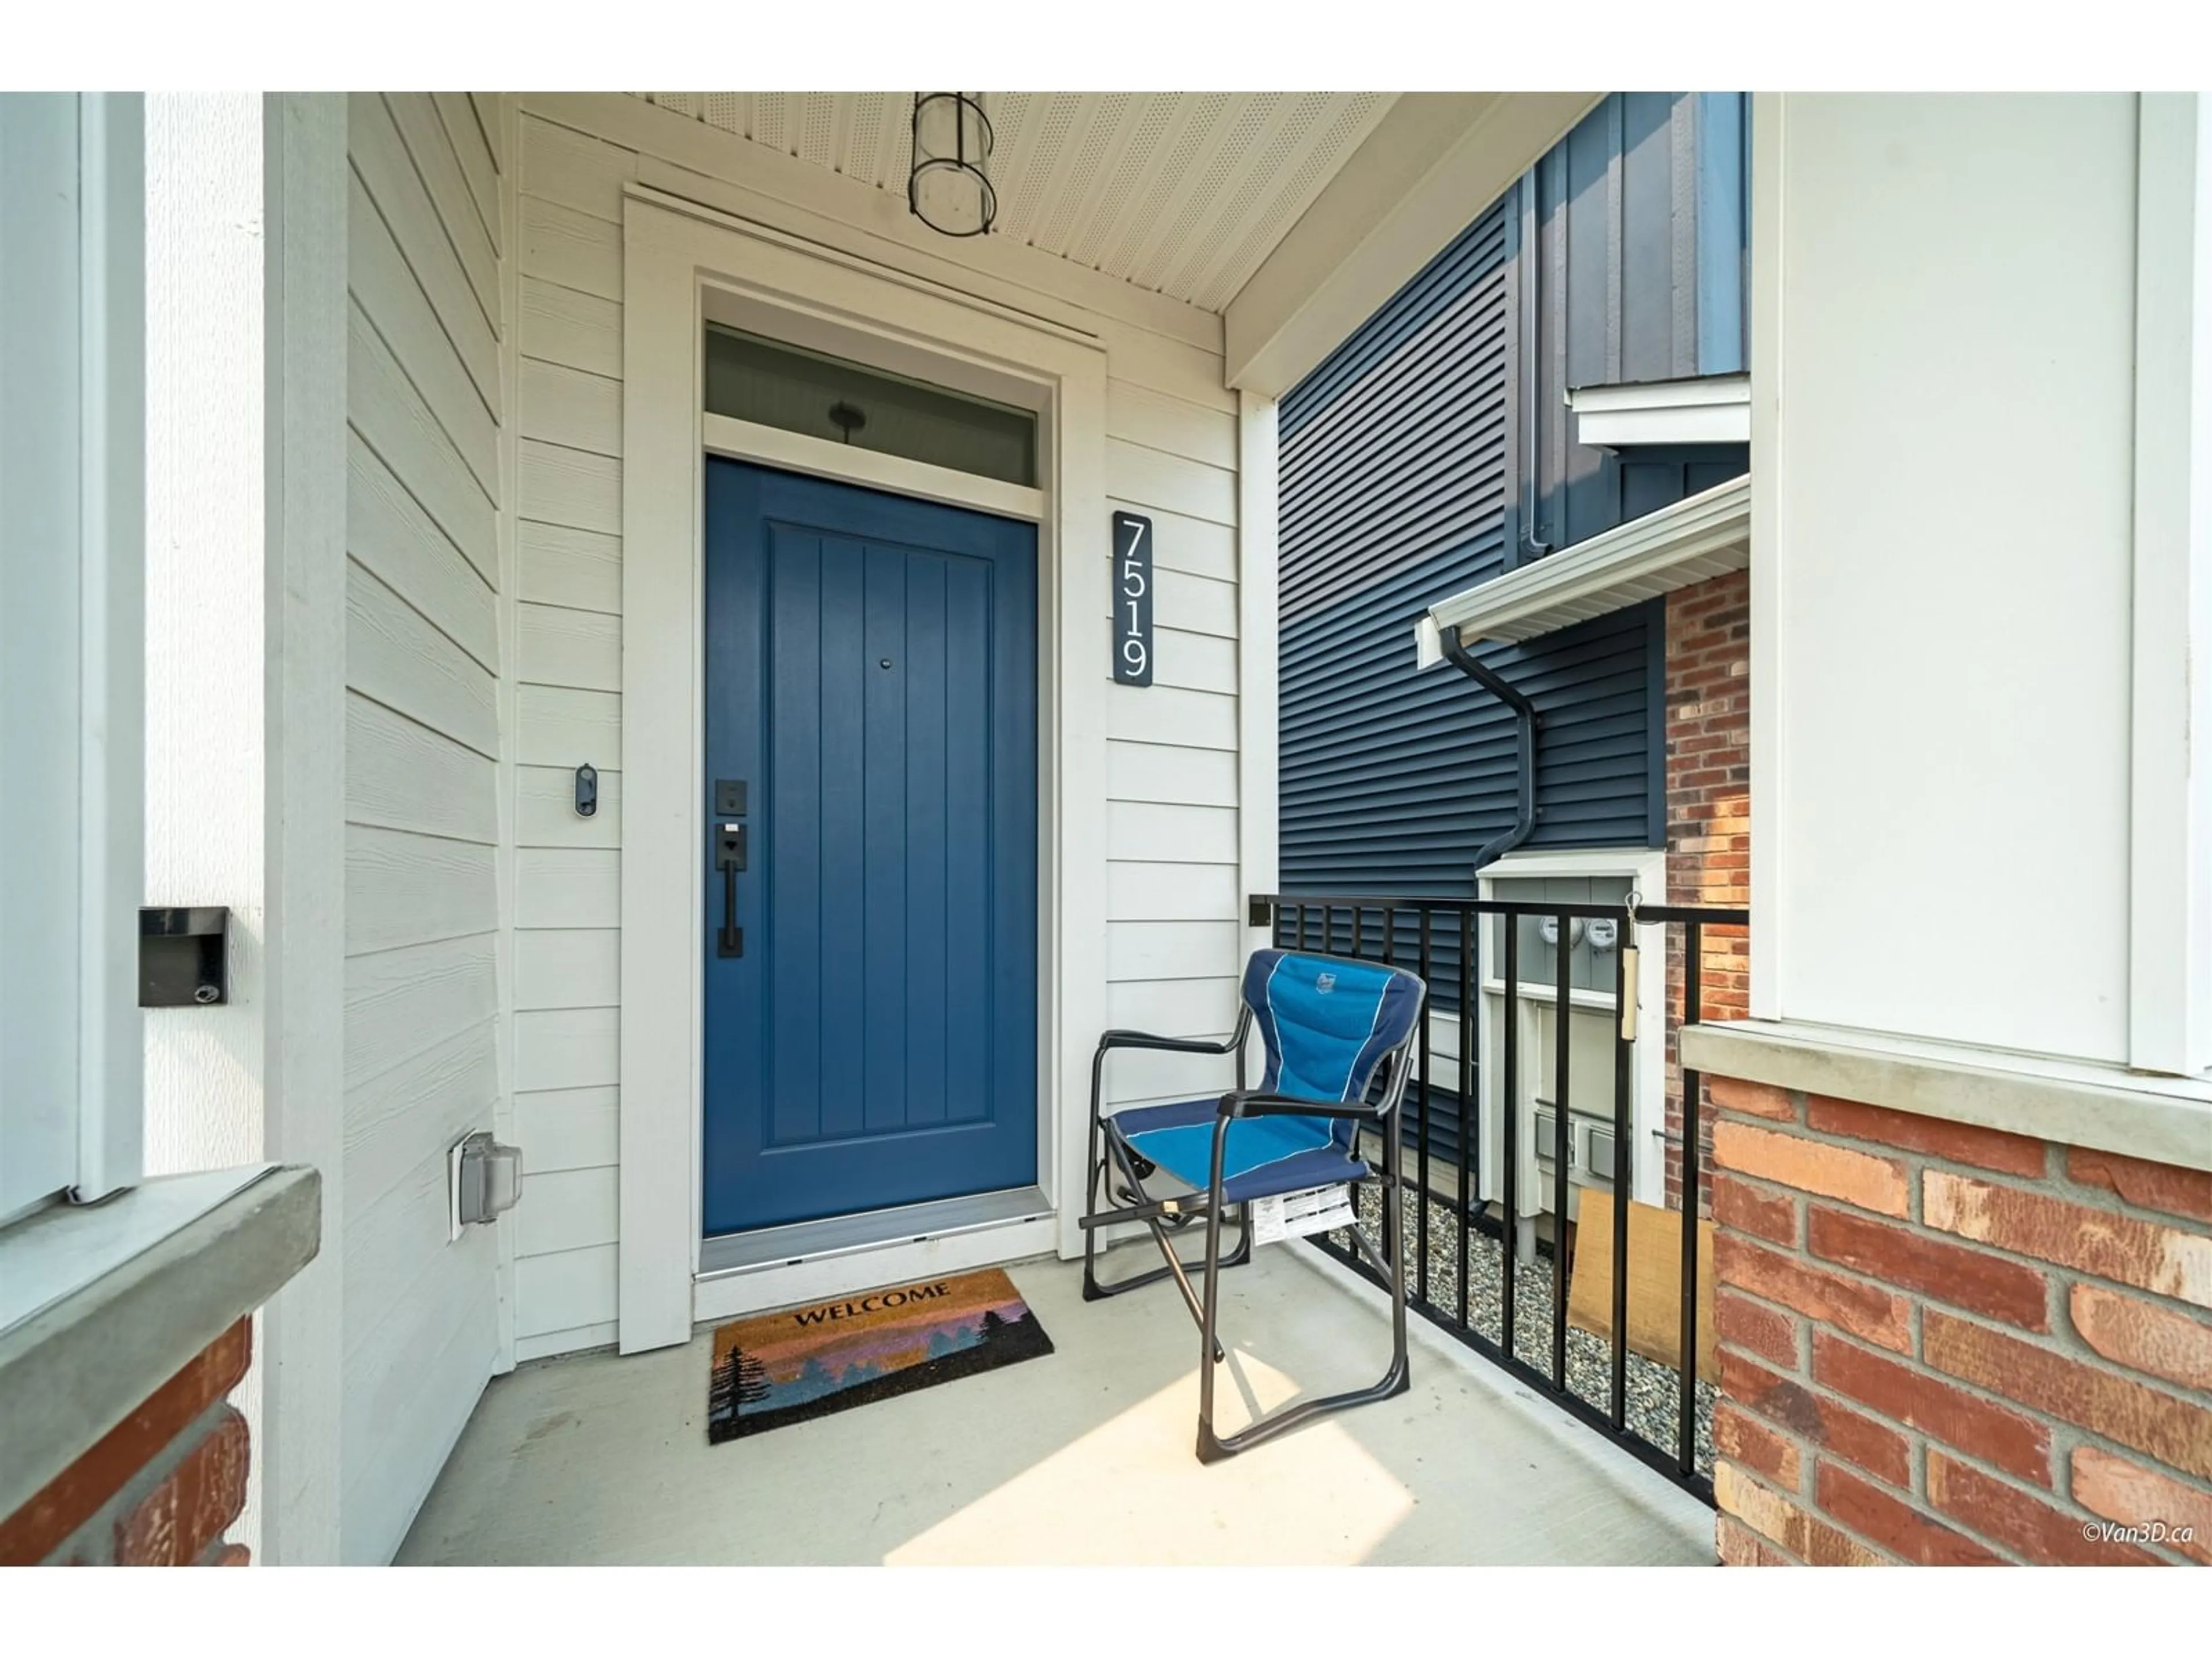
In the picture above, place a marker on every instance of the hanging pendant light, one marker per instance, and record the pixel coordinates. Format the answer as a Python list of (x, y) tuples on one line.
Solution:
[(948, 189)]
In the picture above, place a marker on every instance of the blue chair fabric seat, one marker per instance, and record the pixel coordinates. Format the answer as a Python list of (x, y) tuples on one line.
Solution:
[(1264, 1156)]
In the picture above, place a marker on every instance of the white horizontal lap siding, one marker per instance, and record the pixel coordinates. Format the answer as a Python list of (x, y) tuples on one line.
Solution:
[(568, 712), (1173, 929), (423, 744)]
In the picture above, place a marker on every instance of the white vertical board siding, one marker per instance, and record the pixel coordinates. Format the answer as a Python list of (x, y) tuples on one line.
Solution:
[(424, 741), (1943, 466), (1171, 955), (204, 629)]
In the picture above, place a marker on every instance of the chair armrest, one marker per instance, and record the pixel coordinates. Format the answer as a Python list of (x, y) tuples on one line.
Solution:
[(1254, 1103), (1173, 1045)]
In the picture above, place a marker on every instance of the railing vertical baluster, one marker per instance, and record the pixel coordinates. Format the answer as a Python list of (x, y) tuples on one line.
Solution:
[(1693, 964), (1510, 1093), (1693, 1009), (1421, 1215), (1623, 1052), (1470, 1111), (1422, 942), (1563, 1006)]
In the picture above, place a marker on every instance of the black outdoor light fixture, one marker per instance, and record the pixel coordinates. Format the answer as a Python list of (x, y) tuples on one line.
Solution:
[(948, 189)]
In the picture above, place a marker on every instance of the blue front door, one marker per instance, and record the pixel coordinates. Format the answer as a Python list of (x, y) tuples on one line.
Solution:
[(871, 685)]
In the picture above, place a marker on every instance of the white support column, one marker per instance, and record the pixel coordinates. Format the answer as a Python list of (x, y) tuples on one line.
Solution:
[(2170, 804), (302, 1346), (1769, 690), (1258, 694)]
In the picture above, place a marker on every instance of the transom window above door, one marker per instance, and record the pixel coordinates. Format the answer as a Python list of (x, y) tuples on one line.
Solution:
[(751, 379)]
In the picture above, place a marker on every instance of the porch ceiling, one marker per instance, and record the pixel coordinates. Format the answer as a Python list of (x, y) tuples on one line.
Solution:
[(1184, 193)]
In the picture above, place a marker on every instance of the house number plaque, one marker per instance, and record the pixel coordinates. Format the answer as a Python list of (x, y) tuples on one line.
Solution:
[(1133, 600)]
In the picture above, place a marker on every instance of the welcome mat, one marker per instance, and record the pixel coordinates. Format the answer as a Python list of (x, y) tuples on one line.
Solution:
[(808, 1362)]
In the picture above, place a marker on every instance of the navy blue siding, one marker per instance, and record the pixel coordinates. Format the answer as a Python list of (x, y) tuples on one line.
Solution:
[(1402, 460)]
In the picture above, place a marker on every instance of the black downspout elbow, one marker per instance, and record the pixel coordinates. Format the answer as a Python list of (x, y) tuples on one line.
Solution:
[(1525, 724)]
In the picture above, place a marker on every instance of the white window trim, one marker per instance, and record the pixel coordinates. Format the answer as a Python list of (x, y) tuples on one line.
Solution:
[(1713, 408), (76, 745), (818, 458)]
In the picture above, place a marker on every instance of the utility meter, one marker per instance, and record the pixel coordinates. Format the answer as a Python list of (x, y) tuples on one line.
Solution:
[(1548, 930), (1604, 934)]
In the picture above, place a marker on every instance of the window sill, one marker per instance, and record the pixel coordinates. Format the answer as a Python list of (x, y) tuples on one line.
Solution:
[(1715, 409), (104, 1302), (2163, 1120)]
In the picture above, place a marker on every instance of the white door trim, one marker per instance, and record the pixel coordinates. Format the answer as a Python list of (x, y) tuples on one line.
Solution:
[(818, 458), (682, 264)]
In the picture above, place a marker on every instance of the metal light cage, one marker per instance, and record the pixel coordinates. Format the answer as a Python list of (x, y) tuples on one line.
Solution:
[(948, 189)]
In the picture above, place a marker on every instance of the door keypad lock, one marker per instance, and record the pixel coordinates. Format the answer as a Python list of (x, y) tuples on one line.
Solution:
[(729, 854)]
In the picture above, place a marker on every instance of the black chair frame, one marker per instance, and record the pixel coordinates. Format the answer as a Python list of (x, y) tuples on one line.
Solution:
[(1107, 1205), (1135, 1204)]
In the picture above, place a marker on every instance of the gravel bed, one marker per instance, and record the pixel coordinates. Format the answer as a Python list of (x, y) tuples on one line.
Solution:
[(1653, 1390)]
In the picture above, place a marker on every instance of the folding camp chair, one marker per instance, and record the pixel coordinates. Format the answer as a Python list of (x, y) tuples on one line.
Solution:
[(1329, 1024)]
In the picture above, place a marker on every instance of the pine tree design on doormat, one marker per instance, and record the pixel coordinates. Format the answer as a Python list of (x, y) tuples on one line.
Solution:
[(805, 1362)]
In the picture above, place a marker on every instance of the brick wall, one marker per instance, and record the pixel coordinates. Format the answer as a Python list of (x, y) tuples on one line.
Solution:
[(1708, 780), (1943, 1344), (160, 1489)]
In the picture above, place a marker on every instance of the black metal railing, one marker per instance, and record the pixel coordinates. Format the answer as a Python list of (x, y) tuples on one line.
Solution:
[(1442, 940)]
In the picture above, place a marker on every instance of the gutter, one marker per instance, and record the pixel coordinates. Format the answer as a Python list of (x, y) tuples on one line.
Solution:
[(1699, 536), (1525, 723)]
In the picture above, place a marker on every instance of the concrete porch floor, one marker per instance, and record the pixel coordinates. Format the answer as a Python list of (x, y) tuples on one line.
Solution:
[(1084, 1456)]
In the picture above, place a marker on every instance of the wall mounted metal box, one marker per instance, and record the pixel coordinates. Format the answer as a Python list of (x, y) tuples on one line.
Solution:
[(184, 955), (484, 1179)]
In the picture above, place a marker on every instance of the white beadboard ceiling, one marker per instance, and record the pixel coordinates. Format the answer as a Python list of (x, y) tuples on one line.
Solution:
[(1184, 193)]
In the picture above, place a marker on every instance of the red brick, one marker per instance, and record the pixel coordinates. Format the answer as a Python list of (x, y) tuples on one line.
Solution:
[(2028, 1527), (1760, 1100), (1863, 1309), (1739, 1205), (2143, 1253), (2138, 1497), (1894, 1524), (1974, 1279), (1774, 1516), (1751, 1442), (2154, 1186), (1812, 1166), (2173, 1430), (1738, 1546), (1962, 1143), (70, 1499), (2016, 1443), (176, 1521), (1753, 1325), (2144, 1335), (1880, 1450)]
